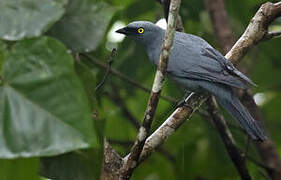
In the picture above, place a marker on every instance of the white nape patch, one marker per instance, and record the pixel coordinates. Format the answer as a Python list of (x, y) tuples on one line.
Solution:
[(260, 98), (113, 36), (162, 23)]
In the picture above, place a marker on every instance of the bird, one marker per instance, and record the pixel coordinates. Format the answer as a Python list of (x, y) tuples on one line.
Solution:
[(198, 67)]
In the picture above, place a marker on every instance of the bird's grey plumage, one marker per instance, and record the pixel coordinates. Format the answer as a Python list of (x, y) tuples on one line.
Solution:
[(197, 66)]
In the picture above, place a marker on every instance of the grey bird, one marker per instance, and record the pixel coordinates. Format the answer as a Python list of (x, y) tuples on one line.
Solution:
[(198, 67)]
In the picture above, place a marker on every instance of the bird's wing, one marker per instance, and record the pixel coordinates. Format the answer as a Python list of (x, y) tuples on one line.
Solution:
[(213, 53), (192, 57)]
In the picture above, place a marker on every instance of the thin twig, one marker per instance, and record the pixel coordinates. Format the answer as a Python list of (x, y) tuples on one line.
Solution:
[(131, 162), (271, 35), (109, 63), (253, 160), (234, 152), (124, 77)]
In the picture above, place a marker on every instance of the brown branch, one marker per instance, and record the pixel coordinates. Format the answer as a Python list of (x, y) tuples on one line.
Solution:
[(267, 149), (161, 150), (223, 33), (234, 152), (171, 124), (219, 20), (195, 100), (124, 77), (112, 162), (255, 32), (262, 165), (131, 161)]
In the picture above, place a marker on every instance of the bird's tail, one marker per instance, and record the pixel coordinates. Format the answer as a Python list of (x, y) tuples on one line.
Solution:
[(233, 105)]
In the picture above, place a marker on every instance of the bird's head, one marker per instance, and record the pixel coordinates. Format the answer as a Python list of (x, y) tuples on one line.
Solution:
[(143, 31)]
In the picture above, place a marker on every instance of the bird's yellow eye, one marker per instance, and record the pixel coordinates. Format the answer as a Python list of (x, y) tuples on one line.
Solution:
[(140, 30)]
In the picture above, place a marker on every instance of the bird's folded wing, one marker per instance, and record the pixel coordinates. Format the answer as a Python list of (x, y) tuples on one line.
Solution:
[(194, 58)]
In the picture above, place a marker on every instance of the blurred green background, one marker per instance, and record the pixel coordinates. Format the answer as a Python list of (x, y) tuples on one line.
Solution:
[(46, 96)]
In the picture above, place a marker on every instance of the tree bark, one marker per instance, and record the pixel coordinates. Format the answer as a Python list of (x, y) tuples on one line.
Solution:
[(223, 33), (112, 163)]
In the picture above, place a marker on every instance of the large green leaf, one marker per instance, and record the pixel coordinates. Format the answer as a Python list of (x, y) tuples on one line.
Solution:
[(43, 107), (19, 169), (89, 80), (80, 165), (27, 18), (2, 53), (84, 24)]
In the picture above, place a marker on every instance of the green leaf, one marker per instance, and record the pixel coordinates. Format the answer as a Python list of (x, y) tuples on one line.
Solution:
[(44, 109), (63, 2), (2, 54), (27, 18), (89, 80), (80, 165), (19, 169), (84, 24)]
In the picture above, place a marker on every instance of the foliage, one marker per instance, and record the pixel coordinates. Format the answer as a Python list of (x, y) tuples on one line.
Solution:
[(47, 92)]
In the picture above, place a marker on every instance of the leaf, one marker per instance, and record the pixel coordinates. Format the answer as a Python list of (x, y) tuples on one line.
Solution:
[(19, 169), (63, 2), (80, 165), (88, 78), (2, 53), (43, 107), (27, 18), (84, 24)]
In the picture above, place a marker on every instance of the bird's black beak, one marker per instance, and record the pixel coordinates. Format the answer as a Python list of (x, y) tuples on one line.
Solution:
[(122, 31)]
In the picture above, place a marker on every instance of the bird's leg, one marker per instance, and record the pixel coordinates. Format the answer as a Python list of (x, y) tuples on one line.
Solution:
[(182, 102)]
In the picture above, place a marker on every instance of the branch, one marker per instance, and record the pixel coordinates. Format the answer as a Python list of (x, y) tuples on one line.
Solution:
[(171, 124), (273, 34), (267, 149), (109, 63), (219, 20), (223, 33), (166, 7), (161, 150), (110, 170), (265, 14), (255, 32), (131, 161), (235, 154)]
